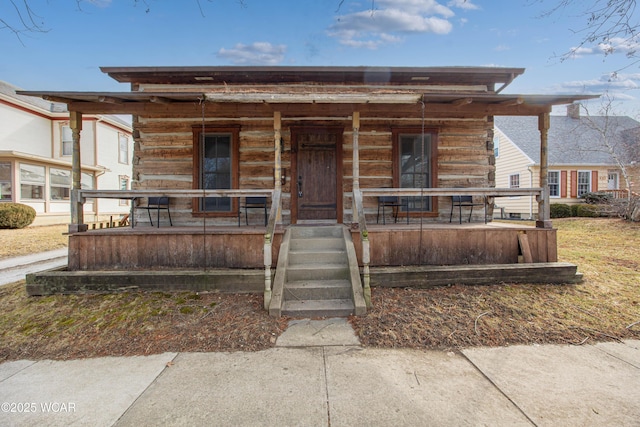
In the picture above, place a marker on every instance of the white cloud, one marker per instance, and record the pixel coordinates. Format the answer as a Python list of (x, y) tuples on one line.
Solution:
[(616, 45), (258, 53), (390, 19), (463, 4)]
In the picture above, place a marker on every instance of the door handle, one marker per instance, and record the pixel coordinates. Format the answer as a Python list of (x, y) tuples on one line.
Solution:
[(299, 186)]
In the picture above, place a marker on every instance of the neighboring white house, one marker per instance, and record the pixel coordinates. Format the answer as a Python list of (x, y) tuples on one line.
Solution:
[(35, 158), (578, 163)]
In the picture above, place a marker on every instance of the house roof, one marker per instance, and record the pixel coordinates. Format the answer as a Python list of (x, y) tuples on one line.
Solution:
[(570, 141), (461, 91), (58, 109), (468, 76), (10, 90)]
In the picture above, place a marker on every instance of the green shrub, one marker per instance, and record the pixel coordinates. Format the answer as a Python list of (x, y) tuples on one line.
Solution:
[(589, 211), (559, 210), (16, 215), (574, 210)]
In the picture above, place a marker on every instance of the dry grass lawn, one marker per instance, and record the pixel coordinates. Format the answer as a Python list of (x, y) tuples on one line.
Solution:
[(606, 306), (29, 240)]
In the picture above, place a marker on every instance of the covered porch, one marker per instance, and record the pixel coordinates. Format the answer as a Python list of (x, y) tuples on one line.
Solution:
[(323, 146)]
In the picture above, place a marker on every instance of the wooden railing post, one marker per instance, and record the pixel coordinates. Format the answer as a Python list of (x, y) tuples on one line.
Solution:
[(77, 202), (268, 244), (544, 211)]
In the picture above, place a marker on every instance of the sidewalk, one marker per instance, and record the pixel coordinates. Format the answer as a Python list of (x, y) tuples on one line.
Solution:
[(318, 375), (15, 269)]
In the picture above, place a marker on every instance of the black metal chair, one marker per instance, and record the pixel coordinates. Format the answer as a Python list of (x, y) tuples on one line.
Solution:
[(253, 203), (157, 204), (395, 203), (467, 202)]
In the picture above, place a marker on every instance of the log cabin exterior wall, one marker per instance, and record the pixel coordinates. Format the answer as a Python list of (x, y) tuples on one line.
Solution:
[(164, 150)]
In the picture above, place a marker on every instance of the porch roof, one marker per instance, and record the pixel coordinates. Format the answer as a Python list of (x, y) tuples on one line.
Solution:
[(460, 103)]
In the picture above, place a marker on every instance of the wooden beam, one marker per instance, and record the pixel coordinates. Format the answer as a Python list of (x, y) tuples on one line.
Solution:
[(109, 100), (232, 110), (462, 101), (356, 149), (160, 100), (511, 102)]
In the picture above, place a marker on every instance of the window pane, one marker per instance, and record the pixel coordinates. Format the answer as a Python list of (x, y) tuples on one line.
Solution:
[(5, 181), (86, 181), (60, 184), (415, 167), (584, 182), (67, 141), (31, 182), (124, 149), (554, 183), (216, 170)]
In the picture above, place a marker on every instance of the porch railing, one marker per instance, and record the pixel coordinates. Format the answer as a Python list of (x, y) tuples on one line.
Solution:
[(274, 212), (488, 194)]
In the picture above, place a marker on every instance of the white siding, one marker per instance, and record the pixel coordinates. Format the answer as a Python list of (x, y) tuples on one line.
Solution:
[(24, 131), (512, 160)]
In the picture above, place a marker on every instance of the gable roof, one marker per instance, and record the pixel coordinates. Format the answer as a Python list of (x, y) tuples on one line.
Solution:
[(570, 141)]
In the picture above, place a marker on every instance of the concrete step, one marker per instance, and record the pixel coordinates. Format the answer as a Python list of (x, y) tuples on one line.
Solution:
[(317, 231), (318, 256), (317, 272), (318, 308), (316, 243), (317, 289)]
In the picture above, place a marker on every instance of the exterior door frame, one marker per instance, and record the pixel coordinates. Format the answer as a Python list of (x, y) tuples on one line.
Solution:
[(297, 130)]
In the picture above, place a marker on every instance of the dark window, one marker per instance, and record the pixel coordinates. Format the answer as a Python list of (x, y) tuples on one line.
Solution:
[(216, 170), (414, 162), (216, 167)]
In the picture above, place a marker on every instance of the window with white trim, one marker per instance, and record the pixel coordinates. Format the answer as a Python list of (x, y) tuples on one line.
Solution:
[(496, 146), (32, 180), (584, 182), (5, 181), (59, 184), (553, 180), (514, 180), (123, 149), (67, 141)]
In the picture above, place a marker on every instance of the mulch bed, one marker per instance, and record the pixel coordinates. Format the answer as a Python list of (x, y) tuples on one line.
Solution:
[(468, 316), (136, 323)]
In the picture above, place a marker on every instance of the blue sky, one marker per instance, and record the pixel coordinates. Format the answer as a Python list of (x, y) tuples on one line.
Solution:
[(83, 36)]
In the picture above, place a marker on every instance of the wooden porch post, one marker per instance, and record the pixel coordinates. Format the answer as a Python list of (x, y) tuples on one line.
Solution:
[(77, 203), (356, 164), (277, 136), (544, 213)]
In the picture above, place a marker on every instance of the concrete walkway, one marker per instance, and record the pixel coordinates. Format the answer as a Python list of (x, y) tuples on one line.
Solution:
[(318, 375), (15, 269)]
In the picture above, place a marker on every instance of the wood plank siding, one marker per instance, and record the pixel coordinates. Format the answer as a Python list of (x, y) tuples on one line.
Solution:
[(164, 156)]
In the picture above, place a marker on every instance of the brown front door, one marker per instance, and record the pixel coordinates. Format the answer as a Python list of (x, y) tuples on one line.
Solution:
[(315, 190)]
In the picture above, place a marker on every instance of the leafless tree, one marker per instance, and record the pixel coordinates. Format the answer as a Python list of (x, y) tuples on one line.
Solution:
[(611, 24), (615, 139)]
